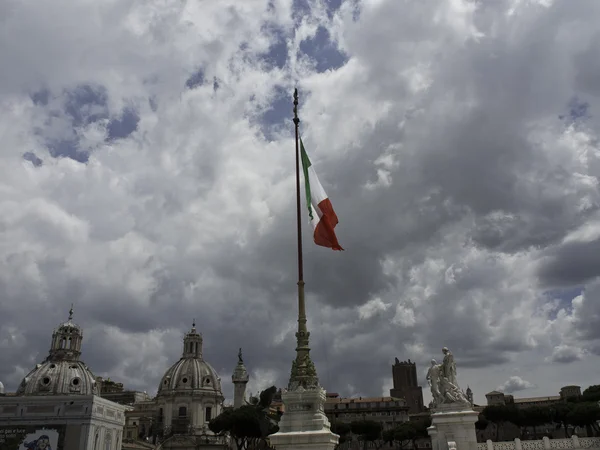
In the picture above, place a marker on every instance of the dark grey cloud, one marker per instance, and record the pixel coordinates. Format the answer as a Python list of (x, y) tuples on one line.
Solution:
[(572, 263)]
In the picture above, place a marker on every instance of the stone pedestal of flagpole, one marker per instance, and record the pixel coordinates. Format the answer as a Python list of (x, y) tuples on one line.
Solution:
[(453, 423), (304, 424)]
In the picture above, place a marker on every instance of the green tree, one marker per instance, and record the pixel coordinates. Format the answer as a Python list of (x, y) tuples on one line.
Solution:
[(482, 423), (559, 414), (535, 417), (591, 394), (248, 425), (407, 433), (242, 424), (368, 431), (403, 434), (502, 414), (585, 415), (342, 429)]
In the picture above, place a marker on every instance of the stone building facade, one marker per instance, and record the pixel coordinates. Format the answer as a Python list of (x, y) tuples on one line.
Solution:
[(388, 411)]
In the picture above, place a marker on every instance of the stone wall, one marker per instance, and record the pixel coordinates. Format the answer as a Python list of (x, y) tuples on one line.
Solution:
[(574, 443)]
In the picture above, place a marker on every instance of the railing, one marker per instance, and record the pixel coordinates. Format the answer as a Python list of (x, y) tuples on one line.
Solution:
[(574, 442)]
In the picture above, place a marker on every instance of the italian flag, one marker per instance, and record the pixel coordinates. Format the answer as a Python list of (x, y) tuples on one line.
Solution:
[(321, 213)]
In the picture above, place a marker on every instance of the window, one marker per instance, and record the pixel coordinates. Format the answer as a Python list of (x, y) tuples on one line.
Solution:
[(129, 434), (182, 411), (108, 441), (208, 413)]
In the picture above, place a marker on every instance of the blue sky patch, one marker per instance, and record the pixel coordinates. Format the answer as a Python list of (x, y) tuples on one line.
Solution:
[(565, 296), (323, 51), (300, 8), (68, 148), (195, 80), (86, 104), (123, 126), (32, 158), (332, 7), (280, 109), (280, 113), (41, 97), (277, 55), (578, 111)]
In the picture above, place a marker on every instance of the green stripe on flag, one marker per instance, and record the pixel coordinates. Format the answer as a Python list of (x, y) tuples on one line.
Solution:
[(305, 165)]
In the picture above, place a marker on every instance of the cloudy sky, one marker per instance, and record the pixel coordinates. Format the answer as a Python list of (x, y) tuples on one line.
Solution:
[(147, 176)]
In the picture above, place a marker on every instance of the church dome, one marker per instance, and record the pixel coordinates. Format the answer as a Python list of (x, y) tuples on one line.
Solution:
[(1, 388), (59, 378), (191, 372), (61, 373)]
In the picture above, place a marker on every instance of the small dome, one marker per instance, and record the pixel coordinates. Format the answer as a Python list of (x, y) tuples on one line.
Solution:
[(190, 374), (59, 378), (69, 325), (1, 388)]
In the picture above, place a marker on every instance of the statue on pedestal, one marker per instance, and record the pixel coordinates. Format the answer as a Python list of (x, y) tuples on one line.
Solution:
[(443, 383)]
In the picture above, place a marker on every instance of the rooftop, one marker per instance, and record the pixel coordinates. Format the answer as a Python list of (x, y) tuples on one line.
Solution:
[(537, 399), (362, 399)]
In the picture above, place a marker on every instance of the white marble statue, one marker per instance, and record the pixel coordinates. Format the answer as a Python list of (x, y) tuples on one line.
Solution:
[(433, 378), (449, 366), (443, 383)]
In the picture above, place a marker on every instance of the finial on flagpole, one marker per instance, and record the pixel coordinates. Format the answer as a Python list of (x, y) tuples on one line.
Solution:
[(296, 119)]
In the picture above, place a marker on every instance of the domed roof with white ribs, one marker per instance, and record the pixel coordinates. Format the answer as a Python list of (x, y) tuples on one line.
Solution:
[(191, 372), (61, 373), (59, 378)]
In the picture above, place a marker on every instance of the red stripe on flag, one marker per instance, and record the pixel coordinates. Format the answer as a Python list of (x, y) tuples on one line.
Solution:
[(324, 234)]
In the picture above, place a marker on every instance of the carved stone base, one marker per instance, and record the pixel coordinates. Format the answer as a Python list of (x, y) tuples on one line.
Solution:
[(453, 423), (452, 407), (304, 424)]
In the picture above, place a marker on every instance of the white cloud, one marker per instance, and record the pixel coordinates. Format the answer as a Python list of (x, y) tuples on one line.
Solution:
[(514, 384), (567, 354), (372, 308)]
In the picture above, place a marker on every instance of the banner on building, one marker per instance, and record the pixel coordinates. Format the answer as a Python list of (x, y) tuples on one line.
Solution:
[(32, 437)]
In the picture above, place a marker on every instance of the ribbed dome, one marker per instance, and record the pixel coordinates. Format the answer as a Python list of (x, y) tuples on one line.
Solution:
[(59, 378), (61, 373), (190, 374)]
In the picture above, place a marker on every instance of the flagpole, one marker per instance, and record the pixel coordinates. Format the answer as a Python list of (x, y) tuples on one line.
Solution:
[(303, 370), (301, 305)]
